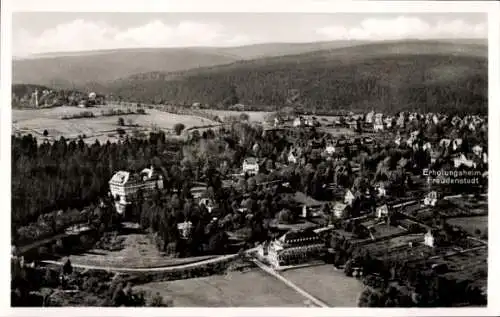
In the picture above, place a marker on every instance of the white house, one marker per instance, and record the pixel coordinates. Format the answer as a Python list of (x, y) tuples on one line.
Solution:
[(369, 117), (477, 150), (444, 143), (427, 146), (456, 144), (339, 210), (382, 211), (330, 149), (462, 160), (429, 239), (250, 166), (381, 192), (378, 124), (349, 197), (431, 199), (292, 157), (185, 229), (298, 122), (208, 203), (397, 140), (124, 186)]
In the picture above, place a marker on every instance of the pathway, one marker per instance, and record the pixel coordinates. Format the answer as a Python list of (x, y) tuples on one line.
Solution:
[(299, 290)]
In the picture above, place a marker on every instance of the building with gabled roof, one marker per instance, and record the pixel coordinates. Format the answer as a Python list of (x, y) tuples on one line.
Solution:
[(250, 166), (295, 247), (125, 185)]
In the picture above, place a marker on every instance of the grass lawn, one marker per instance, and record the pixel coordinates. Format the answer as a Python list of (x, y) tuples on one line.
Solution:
[(139, 252), (253, 288), (470, 224), (327, 284)]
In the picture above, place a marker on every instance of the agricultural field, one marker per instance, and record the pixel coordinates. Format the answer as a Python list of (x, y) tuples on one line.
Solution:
[(327, 284), (35, 121), (253, 288), (471, 224), (138, 252)]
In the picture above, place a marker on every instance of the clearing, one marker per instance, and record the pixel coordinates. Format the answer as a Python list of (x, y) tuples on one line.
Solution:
[(138, 252), (35, 121), (327, 284), (253, 288)]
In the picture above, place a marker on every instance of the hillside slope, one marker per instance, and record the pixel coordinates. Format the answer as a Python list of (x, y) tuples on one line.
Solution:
[(74, 70), (94, 68), (389, 76)]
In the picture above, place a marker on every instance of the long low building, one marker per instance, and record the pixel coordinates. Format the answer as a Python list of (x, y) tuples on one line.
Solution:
[(294, 247)]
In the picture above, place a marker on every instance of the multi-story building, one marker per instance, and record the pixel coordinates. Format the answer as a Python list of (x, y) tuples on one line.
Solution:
[(250, 166), (294, 247), (124, 186)]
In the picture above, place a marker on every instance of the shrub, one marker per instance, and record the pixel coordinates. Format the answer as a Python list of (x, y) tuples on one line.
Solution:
[(178, 127)]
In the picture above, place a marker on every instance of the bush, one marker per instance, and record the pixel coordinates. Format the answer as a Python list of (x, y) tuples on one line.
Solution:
[(120, 122)]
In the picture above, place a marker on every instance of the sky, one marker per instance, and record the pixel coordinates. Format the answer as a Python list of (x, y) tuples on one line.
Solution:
[(44, 32)]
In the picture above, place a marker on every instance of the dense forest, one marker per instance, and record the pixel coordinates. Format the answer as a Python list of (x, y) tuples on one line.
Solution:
[(388, 83), (22, 96)]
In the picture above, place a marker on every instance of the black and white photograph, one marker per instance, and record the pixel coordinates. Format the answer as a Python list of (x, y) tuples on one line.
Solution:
[(249, 159)]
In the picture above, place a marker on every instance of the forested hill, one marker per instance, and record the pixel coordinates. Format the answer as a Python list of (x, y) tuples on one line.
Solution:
[(92, 68), (22, 96), (388, 76), (96, 67)]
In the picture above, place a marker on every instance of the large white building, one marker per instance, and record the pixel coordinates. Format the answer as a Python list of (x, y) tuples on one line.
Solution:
[(294, 247), (124, 186), (250, 166)]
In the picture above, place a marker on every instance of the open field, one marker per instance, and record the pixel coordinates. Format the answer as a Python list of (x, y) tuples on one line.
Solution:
[(36, 121), (139, 252), (470, 224), (327, 284), (236, 289), (258, 116)]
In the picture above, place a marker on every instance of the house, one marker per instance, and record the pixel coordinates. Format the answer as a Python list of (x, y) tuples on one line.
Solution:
[(250, 166), (330, 149), (185, 228), (444, 143), (398, 140), (477, 150), (124, 186), (339, 210), (400, 122), (431, 199), (427, 146), (208, 203), (456, 144), (433, 238), (382, 211), (388, 122), (435, 119), (380, 188), (456, 121), (292, 157), (298, 122), (369, 117), (295, 247), (462, 160), (378, 124), (349, 197)]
